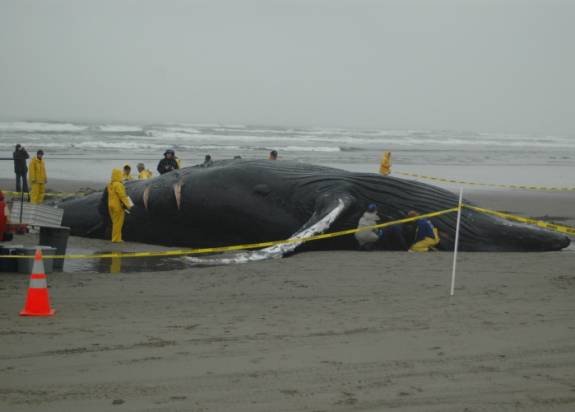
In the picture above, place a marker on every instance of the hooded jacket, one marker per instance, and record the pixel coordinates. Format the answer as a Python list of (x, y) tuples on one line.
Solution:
[(38, 171), (117, 198)]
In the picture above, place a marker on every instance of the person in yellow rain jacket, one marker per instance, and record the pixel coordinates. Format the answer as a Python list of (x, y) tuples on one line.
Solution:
[(385, 166), (118, 202), (426, 235), (127, 175), (38, 178), (143, 173)]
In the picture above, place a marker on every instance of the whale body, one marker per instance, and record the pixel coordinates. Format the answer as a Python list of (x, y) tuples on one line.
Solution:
[(248, 201)]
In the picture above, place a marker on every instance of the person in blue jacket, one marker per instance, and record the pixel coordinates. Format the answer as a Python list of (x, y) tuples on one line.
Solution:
[(426, 235)]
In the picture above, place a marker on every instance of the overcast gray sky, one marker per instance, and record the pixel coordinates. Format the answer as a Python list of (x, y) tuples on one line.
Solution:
[(491, 65)]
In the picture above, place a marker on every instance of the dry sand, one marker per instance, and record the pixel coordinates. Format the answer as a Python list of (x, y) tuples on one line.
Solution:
[(324, 331)]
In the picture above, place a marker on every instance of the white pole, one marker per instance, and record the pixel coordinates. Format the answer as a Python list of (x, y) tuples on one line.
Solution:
[(459, 206)]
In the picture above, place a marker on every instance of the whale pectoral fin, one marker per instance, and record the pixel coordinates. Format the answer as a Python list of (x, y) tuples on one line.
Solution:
[(328, 208)]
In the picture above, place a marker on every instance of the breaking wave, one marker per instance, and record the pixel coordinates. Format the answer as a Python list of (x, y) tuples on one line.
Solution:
[(43, 127)]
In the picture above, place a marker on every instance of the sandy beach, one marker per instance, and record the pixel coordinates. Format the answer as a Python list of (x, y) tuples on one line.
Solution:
[(321, 331), (273, 122)]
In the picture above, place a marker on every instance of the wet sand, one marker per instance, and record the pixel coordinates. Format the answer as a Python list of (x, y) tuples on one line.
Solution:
[(323, 331)]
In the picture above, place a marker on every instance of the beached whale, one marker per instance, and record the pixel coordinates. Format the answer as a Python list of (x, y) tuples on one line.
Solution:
[(245, 201)]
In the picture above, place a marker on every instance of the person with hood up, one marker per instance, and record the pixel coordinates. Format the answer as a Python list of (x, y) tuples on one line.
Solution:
[(20, 168), (118, 202), (168, 163), (368, 238), (385, 165), (38, 178), (143, 173)]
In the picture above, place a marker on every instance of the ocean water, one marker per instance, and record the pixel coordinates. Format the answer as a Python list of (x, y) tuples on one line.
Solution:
[(85, 151)]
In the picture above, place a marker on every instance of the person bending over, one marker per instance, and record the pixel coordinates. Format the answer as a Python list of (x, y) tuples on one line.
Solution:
[(426, 235), (393, 237), (368, 238)]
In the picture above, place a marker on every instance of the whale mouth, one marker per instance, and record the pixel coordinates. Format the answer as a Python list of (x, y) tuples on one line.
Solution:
[(314, 226)]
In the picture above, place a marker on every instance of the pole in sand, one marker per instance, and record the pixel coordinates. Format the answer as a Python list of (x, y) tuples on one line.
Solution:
[(459, 207)]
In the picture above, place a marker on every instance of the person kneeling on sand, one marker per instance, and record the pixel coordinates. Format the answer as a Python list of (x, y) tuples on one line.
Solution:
[(368, 238), (143, 173), (426, 235), (118, 202), (392, 237)]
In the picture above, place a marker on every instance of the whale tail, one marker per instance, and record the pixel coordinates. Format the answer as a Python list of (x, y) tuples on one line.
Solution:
[(328, 209)]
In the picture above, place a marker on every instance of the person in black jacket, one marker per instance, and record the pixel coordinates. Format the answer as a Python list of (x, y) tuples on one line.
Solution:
[(20, 168), (168, 163)]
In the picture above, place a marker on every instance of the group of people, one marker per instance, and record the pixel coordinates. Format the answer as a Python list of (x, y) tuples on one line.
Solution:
[(118, 202), (419, 236), (36, 172), (168, 163)]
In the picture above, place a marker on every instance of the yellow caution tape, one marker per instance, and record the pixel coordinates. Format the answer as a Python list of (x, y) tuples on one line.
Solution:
[(539, 223), (550, 226), (464, 182), (238, 247)]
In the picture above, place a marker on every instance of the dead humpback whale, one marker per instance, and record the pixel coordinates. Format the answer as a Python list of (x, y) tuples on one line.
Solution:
[(246, 201)]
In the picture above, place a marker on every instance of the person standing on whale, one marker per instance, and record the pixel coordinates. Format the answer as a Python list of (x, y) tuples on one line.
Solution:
[(168, 163)]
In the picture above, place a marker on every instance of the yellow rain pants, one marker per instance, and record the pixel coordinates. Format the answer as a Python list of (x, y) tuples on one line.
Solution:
[(426, 243), (117, 202), (37, 193), (38, 179)]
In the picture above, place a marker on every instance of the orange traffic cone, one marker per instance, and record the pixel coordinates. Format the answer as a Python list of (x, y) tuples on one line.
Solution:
[(37, 301)]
